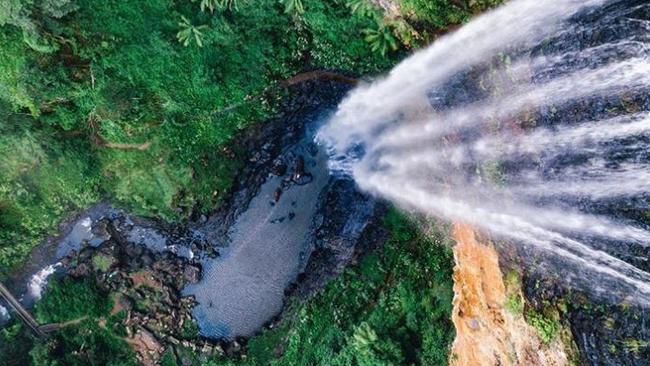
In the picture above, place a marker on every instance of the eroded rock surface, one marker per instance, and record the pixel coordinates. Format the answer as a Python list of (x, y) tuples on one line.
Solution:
[(486, 333)]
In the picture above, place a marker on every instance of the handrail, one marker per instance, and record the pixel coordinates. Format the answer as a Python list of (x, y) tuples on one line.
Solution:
[(24, 315)]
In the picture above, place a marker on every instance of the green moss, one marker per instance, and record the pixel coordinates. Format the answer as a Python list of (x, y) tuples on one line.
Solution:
[(514, 297), (190, 329), (168, 358), (83, 344), (635, 346), (91, 336), (547, 327), (514, 304), (439, 14)]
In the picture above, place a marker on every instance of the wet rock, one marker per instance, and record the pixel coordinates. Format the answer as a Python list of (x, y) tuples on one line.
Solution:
[(133, 250), (233, 348), (192, 274), (211, 252), (146, 260), (207, 349), (81, 270), (277, 194), (125, 303), (85, 253), (279, 168), (345, 225), (218, 350), (303, 179), (300, 175), (312, 149)]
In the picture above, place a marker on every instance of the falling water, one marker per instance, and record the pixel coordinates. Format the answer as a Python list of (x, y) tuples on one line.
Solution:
[(532, 123)]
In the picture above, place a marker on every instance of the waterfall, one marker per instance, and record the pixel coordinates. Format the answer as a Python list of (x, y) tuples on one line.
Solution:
[(532, 123)]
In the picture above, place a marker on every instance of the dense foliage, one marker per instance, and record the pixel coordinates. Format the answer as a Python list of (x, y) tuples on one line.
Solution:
[(394, 308), (137, 100), (86, 343), (68, 300), (108, 102), (15, 344), (90, 335)]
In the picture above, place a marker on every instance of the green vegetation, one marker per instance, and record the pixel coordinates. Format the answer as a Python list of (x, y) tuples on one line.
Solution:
[(438, 14), (69, 299), (394, 308), (91, 336), (40, 181), (103, 262), (635, 345), (514, 297), (122, 99), (107, 102), (546, 327), (15, 344), (86, 343)]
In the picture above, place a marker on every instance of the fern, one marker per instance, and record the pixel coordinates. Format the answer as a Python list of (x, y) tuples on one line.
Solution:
[(293, 6), (212, 5), (190, 32), (362, 7), (381, 39)]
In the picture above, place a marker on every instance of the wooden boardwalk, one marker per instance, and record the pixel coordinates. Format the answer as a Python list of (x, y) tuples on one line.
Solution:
[(25, 316)]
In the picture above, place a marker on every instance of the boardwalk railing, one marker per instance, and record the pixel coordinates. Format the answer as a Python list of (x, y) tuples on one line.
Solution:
[(24, 315)]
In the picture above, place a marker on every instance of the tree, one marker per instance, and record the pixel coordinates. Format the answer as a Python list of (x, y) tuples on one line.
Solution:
[(15, 12)]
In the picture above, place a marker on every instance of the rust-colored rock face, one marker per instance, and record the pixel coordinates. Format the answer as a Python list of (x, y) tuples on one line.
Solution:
[(486, 333), (146, 346)]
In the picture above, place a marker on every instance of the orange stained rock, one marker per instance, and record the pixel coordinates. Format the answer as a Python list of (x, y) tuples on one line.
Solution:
[(487, 334)]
